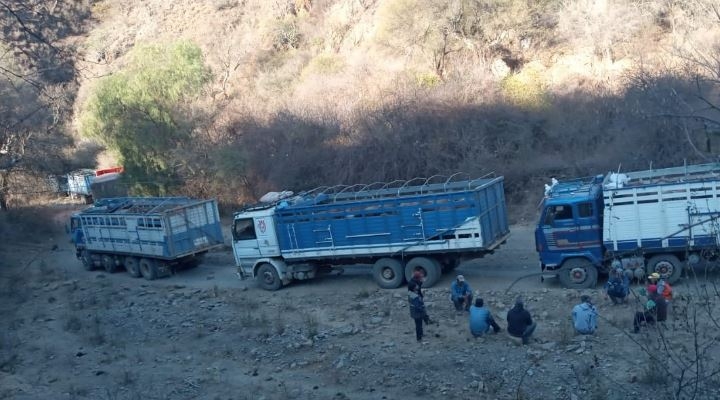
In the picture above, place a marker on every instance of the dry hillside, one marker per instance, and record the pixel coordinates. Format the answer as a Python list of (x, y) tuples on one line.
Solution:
[(292, 94)]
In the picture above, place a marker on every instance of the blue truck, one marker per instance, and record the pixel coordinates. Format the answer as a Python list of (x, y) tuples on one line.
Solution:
[(395, 227), (148, 236), (657, 220), (79, 182)]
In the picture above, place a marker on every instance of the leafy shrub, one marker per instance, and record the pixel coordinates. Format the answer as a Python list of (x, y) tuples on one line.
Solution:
[(324, 64), (134, 112), (286, 35), (527, 89), (427, 79)]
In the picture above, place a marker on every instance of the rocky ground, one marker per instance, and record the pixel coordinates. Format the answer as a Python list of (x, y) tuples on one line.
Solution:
[(67, 333)]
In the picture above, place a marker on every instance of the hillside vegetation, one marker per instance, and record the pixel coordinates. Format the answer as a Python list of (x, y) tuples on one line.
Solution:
[(231, 98)]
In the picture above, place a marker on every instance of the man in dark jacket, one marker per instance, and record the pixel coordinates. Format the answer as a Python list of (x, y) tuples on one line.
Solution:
[(520, 324), (417, 311), (416, 303), (416, 282)]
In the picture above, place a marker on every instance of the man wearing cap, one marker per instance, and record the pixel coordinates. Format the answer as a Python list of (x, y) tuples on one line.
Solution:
[(461, 294), (584, 316)]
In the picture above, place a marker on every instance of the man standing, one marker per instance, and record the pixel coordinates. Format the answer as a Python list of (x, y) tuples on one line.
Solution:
[(417, 311), (481, 320), (416, 281), (416, 303), (461, 294), (584, 316), (520, 324)]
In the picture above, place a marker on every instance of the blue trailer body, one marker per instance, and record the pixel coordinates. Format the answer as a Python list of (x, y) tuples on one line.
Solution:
[(430, 226), (640, 222), (389, 222), (132, 230), (78, 182)]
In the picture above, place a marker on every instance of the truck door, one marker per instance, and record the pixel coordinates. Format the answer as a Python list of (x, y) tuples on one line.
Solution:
[(266, 237), (254, 236), (559, 227), (571, 229), (245, 243)]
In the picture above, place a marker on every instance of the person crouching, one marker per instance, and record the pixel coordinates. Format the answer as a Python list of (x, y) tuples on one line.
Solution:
[(481, 320)]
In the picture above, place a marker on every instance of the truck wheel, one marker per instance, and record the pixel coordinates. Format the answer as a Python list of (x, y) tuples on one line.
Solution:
[(388, 273), (87, 261), (667, 265), (132, 267), (430, 267), (148, 269), (578, 273), (268, 278), (108, 263)]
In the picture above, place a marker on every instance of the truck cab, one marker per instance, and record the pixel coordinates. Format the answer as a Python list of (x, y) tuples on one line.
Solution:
[(254, 237), (568, 236), (77, 236)]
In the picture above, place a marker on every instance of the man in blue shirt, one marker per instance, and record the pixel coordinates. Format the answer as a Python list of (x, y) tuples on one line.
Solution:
[(481, 320), (461, 294), (584, 316)]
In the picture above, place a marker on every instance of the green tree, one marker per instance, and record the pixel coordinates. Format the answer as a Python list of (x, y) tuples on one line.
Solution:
[(137, 112)]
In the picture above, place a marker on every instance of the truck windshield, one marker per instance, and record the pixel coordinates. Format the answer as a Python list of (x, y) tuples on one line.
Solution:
[(74, 224), (558, 212), (244, 229)]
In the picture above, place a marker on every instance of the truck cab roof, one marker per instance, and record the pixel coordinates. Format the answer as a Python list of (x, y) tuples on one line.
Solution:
[(575, 190)]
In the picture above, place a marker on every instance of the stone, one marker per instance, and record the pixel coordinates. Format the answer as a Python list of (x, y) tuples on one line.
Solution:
[(548, 346)]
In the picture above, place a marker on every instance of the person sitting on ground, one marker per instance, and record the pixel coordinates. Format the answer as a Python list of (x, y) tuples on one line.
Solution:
[(461, 294), (584, 316), (617, 287), (655, 310), (481, 320), (520, 324)]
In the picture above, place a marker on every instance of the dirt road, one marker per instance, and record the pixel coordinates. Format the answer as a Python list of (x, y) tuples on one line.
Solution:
[(203, 334)]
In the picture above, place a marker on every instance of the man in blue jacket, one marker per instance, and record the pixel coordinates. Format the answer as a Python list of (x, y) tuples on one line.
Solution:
[(584, 316), (617, 287), (481, 320), (461, 294)]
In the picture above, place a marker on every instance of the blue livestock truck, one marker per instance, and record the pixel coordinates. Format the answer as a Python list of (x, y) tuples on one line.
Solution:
[(658, 220), (79, 182), (148, 236), (394, 227)]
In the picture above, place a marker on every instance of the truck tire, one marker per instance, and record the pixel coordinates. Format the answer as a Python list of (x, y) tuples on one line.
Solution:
[(108, 263), (148, 269), (667, 265), (132, 266), (388, 273), (429, 266), (267, 277), (87, 261), (578, 273)]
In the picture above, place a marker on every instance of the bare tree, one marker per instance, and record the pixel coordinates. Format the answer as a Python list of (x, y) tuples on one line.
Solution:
[(37, 81)]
